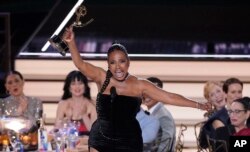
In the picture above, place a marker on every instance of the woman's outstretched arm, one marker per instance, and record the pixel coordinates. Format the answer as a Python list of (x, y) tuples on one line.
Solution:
[(86, 68), (161, 95)]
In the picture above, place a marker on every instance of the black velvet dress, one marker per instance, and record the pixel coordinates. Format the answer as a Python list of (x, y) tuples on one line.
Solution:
[(116, 128)]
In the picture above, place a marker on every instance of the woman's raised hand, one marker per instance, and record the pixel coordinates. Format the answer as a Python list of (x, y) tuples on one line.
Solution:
[(68, 34)]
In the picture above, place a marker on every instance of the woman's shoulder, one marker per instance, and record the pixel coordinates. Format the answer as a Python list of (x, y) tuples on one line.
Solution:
[(87, 102), (91, 102), (243, 132), (221, 114), (140, 82), (138, 79), (90, 105), (33, 99), (7, 98), (63, 102)]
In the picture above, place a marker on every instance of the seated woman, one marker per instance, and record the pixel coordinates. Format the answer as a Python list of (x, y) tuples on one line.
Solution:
[(239, 113), (20, 108), (76, 105), (213, 93), (17, 104), (218, 115)]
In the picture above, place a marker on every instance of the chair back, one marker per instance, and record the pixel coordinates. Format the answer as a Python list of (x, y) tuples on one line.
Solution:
[(197, 129), (180, 139), (216, 145), (154, 147)]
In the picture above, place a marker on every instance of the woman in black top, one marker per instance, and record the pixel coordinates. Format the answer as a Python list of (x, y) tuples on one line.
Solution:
[(116, 128)]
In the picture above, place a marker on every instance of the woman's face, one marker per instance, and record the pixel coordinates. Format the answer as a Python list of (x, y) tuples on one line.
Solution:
[(217, 97), (237, 114), (77, 88), (118, 64), (234, 92), (14, 85)]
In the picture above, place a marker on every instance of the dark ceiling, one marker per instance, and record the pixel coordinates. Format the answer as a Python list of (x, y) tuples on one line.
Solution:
[(167, 19)]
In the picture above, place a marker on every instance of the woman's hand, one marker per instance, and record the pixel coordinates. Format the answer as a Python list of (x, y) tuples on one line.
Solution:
[(68, 34), (22, 105), (206, 106)]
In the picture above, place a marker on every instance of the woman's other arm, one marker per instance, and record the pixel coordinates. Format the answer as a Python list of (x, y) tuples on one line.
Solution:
[(217, 124), (161, 95), (59, 114)]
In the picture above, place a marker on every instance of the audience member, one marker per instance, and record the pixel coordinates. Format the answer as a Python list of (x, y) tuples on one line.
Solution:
[(17, 104), (214, 94), (232, 89), (149, 127), (76, 105), (239, 113), (165, 140)]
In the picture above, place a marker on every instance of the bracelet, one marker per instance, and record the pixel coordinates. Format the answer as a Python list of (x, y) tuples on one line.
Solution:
[(197, 105)]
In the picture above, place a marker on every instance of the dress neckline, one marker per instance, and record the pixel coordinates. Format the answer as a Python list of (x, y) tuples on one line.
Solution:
[(120, 95)]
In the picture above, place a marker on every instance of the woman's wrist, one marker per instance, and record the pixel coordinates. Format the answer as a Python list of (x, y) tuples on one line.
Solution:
[(203, 106), (198, 105)]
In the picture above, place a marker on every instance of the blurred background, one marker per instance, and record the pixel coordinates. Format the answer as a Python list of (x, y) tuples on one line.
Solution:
[(172, 21), (183, 42)]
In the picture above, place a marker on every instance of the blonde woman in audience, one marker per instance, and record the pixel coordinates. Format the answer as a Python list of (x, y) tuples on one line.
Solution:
[(233, 89), (76, 105), (214, 94)]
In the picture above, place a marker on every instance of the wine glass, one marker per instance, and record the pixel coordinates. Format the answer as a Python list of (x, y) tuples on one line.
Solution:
[(12, 136), (38, 112), (58, 137), (14, 140)]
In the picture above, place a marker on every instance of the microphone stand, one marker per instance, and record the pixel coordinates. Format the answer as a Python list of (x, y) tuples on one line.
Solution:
[(113, 95)]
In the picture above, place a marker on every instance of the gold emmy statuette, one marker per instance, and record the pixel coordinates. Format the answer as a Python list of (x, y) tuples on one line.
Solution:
[(58, 43)]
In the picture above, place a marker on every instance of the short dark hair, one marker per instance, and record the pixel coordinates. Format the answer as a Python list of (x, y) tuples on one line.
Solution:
[(245, 101), (230, 81), (13, 72), (71, 77), (156, 80)]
